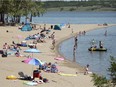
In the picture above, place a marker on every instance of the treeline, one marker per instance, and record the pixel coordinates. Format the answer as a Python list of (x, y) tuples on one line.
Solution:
[(14, 9), (102, 3)]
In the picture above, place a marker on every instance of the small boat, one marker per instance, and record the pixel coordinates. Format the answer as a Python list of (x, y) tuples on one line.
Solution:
[(97, 49)]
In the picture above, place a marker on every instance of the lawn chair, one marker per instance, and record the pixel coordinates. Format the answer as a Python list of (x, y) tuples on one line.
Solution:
[(24, 77)]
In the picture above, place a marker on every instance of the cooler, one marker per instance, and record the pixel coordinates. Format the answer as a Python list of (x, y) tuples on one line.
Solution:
[(36, 74)]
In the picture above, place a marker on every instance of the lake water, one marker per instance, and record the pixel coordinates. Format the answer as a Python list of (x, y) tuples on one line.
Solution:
[(98, 61), (75, 17)]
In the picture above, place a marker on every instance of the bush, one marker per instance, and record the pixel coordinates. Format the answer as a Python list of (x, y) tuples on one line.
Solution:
[(72, 9)]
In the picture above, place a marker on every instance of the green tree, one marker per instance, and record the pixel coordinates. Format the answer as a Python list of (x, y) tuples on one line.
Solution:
[(26, 7), (101, 81), (3, 9), (36, 9), (112, 70), (17, 8), (61, 9)]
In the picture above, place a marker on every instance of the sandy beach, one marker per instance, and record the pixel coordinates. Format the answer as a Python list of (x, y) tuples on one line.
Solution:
[(11, 65)]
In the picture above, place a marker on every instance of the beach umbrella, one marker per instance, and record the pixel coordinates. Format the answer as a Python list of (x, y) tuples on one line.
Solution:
[(32, 50), (27, 60), (33, 61)]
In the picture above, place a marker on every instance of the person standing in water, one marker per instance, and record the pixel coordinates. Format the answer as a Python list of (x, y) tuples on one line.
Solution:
[(105, 33), (74, 48), (76, 39)]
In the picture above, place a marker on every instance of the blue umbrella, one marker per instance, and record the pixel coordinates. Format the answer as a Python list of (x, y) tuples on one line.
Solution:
[(32, 51)]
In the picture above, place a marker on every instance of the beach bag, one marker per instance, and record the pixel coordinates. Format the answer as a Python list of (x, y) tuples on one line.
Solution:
[(45, 80), (4, 55)]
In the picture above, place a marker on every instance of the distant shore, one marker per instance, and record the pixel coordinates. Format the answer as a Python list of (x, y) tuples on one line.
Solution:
[(89, 8)]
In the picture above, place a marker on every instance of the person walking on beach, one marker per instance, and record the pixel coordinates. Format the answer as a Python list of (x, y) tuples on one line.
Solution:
[(68, 25), (86, 69), (72, 30), (53, 43), (52, 36)]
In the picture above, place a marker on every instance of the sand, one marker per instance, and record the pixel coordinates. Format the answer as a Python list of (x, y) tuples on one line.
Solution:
[(11, 65)]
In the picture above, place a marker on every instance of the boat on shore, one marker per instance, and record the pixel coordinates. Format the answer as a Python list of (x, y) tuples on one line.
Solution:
[(97, 49)]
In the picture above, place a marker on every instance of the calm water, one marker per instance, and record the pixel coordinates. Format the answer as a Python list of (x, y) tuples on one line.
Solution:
[(98, 61), (75, 17)]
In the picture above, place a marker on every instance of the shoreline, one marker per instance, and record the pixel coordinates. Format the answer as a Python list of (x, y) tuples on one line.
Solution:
[(69, 62)]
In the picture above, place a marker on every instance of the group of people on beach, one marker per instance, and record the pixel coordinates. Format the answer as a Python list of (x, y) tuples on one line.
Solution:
[(37, 38), (49, 67), (40, 37), (82, 32), (12, 47)]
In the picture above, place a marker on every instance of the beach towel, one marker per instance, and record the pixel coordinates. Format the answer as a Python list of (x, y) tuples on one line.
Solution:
[(11, 77), (64, 74), (59, 58), (30, 83), (10, 53)]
